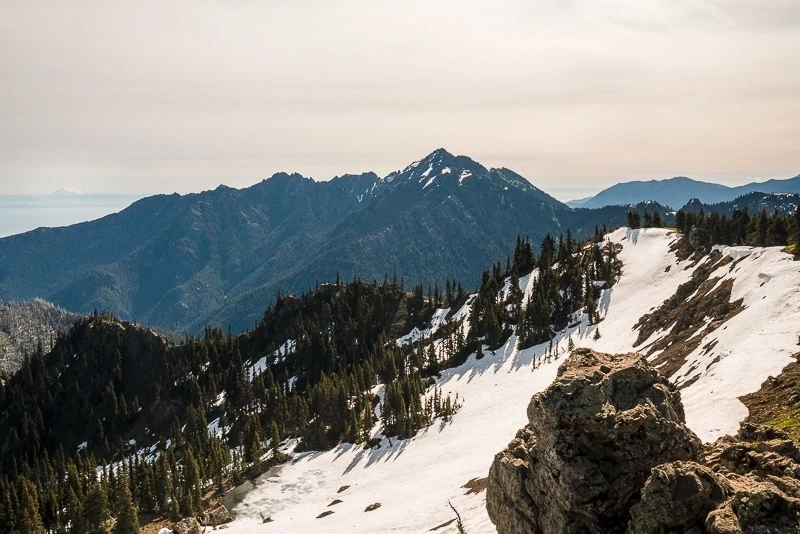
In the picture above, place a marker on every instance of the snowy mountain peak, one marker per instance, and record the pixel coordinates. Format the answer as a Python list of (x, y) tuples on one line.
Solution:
[(68, 191), (439, 163), (447, 175), (439, 153)]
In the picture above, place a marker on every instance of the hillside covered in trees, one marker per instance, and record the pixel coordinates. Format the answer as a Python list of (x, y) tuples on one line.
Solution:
[(761, 229), (138, 422), (24, 325)]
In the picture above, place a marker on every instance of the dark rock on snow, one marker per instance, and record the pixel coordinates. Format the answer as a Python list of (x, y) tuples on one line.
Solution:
[(217, 516), (186, 526), (606, 450)]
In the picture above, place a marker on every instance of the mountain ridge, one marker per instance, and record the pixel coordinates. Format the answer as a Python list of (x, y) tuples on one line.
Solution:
[(181, 262), (677, 191)]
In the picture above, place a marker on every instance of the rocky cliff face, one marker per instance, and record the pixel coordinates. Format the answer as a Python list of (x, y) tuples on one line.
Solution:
[(606, 450)]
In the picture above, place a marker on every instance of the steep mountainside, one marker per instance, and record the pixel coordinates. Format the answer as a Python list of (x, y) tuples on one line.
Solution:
[(675, 192), (172, 259), (23, 325), (181, 262)]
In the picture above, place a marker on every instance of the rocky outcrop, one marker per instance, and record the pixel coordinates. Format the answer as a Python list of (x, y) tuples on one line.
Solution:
[(594, 436), (216, 516), (678, 497), (186, 526), (606, 450), (748, 483)]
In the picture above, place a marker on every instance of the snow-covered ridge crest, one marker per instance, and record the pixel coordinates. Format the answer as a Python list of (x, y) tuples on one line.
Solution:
[(732, 359), (496, 389)]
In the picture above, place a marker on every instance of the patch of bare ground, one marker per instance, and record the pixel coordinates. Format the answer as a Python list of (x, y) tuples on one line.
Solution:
[(777, 403), (681, 249), (475, 486), (700, 303), (325, 514), (152, 524)]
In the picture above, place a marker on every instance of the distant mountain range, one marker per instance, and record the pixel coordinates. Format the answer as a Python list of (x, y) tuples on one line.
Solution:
[(784, 203), (22, 213), (181, 262), (675, 192), (66, 197)]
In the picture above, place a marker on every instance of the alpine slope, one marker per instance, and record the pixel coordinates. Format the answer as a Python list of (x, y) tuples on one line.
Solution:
[(426, 483)]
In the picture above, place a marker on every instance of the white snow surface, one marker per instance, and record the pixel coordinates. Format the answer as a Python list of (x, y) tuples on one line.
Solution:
[(750, 347), (278, 356), (414, 479)]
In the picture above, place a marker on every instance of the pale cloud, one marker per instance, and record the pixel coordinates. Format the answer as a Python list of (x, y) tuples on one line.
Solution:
[(179, 95)]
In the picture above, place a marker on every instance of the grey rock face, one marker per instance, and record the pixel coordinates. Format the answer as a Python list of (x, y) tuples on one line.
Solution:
[(678, 497), (594, 436)]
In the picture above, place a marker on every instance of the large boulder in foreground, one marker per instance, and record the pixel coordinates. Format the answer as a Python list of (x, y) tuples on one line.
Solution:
[(592, 440), (606, 450)]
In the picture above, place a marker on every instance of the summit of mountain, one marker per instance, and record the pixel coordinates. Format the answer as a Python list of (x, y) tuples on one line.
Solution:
[(441, 172), (180, 262)]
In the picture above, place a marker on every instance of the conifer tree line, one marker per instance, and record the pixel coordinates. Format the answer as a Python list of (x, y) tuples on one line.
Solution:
[(760, 230), (647, 220), (117, 420), (566, 277)]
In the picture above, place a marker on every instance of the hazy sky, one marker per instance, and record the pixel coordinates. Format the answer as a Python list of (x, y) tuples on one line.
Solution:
[(183, 95)]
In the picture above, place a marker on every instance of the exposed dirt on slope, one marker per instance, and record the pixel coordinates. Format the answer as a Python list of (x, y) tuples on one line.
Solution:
[(702, 303), (475, 486), (681, 249), (777, 403)]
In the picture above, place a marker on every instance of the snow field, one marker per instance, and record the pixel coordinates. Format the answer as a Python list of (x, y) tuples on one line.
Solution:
[(414, 479)]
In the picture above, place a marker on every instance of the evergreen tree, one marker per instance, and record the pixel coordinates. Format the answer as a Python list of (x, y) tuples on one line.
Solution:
[(797, 230), (30, 519), (127, 518), (95, 508), (275, 440)]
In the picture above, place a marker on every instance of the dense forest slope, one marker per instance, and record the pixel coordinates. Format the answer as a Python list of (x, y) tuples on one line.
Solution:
[(753, 202), (339, 364), (24, 325)]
